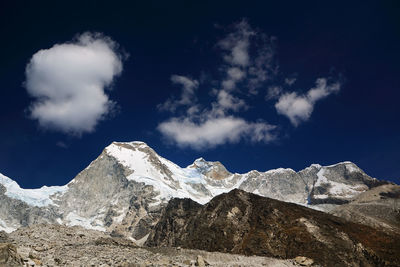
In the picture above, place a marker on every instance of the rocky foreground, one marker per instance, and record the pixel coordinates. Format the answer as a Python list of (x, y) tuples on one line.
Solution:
[(57, 245)]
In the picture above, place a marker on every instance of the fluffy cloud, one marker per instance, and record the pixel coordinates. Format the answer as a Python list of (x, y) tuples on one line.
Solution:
[(298, 108), (68, 82), (215, 131)]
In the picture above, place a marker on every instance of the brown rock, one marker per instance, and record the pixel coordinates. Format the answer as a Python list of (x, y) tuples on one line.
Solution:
[(9, 256), (243, 223), (304, 261)]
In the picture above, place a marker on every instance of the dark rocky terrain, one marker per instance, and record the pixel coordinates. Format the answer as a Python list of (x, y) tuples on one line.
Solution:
[(58, 245), (245, 223)]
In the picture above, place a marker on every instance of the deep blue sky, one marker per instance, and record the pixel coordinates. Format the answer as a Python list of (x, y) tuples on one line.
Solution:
[(357, 41)]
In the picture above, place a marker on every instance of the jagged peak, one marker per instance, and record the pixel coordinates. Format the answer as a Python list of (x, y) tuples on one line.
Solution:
[(315, 165), (131, 144), (201, 162), (350, 166), (340, 163), (119, 149)]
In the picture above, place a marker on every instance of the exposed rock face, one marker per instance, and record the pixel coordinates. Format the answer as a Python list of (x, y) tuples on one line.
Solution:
[(124, 190), (245, 223), (9, 256), (103, 198), (3, 237)]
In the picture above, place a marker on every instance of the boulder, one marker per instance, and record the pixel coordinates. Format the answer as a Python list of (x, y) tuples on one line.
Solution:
[(9, 256)]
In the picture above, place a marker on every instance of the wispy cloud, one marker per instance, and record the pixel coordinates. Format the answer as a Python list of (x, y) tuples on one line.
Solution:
[(298, 108), (216, 123), (68, 83), (215, 131), (248, 67), (188, 94)]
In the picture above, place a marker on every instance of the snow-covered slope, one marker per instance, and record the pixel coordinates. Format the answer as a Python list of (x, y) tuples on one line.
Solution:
[(35, 197), (125, 188)]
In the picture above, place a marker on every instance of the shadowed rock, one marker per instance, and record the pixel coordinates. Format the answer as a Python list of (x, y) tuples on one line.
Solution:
[(245, 223)]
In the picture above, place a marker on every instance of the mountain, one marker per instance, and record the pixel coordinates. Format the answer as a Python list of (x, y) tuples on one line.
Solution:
[(378, 207), (244, 223), (124, 190)]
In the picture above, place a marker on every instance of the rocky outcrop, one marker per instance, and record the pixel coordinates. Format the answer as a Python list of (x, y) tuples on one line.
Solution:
[(3, 237), (9, 256), (245, 223)]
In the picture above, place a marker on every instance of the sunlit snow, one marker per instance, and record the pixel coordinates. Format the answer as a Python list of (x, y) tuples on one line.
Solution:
[(35, 197)]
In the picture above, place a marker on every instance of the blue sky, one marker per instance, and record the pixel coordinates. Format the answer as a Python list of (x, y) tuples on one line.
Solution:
[(255, 85)]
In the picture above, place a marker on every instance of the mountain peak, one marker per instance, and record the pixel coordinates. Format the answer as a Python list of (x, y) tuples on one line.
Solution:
[(133, 144), (211, 169)]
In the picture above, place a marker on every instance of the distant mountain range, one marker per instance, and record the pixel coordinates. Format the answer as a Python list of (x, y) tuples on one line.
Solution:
[(124, 191)]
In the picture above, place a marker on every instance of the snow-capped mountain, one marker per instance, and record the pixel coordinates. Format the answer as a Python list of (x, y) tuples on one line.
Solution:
[(125, 188)]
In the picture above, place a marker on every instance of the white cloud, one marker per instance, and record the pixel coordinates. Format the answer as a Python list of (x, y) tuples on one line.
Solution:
[(248, 65), (214, 131), (68, 81), (236, 44), (298, 108), (226, 102), (234, 75), (214, 124), (188, 95)]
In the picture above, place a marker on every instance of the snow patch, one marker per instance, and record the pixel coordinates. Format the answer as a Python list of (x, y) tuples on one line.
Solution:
[(4, 227), (121, 216), (321, 178), (336, 189), (352, 168), (279, 171), (74, 219)]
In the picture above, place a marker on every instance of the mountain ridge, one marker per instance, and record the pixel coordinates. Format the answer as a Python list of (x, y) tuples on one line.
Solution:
[(125, 188), (244, 223)]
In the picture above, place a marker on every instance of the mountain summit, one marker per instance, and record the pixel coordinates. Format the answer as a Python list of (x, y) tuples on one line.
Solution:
[(124, 190)]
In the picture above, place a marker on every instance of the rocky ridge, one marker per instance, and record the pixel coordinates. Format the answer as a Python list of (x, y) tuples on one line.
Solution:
[(246, 223), (124, 190), (378, 207)]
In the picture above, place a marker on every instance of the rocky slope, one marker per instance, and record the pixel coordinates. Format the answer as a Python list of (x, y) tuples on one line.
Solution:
[(378, 207), (245, 223), (57, 245), (124, 190)]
